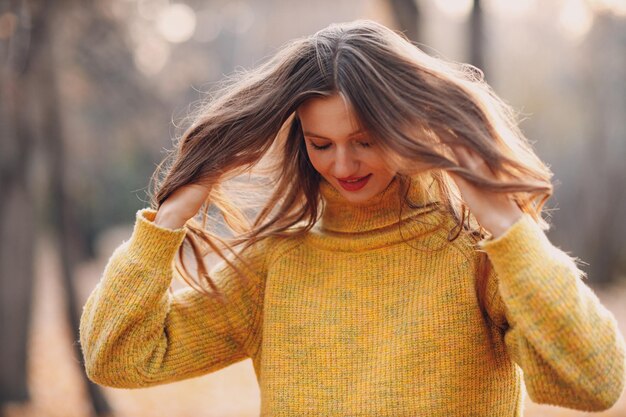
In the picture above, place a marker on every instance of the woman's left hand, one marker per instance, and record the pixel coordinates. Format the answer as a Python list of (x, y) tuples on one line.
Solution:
[(496, 212)]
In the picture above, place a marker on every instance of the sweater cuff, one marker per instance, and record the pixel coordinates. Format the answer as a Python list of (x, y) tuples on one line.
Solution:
[(154, 244), (521, 245)]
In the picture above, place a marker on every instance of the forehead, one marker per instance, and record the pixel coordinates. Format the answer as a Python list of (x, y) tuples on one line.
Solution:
[(331, 116)]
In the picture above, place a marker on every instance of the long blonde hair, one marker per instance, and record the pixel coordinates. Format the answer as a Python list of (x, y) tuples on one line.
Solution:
[(415, 106)]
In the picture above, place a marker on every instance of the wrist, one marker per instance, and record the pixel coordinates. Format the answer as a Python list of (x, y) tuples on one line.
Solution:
[(169, 220), (498, 228)]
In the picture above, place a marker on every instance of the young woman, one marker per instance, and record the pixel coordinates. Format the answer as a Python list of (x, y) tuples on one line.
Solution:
[(398, 267)]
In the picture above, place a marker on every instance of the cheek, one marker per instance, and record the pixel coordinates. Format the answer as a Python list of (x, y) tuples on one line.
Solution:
[(317, 160), (378, 164)]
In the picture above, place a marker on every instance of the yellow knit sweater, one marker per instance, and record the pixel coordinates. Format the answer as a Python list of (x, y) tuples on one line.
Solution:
[(362, 318)]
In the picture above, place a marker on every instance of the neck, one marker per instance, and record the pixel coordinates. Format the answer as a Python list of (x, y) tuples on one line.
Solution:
[(385, 209)]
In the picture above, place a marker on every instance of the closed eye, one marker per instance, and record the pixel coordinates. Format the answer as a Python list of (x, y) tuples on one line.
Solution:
[(322, 147), (319, 147)]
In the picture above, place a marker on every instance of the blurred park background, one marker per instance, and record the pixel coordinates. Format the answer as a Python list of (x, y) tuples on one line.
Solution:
[(92, 92)]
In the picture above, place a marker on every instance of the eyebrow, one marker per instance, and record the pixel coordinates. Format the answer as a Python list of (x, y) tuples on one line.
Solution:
[(322, 137)]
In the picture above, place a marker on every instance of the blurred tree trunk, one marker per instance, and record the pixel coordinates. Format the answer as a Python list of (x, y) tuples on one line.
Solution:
[(407, 16), (61, 207), (29, 84), (602, 183), (476, 37), (17, 230)]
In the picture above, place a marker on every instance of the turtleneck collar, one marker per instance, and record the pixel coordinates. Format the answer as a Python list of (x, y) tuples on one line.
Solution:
[(384, 209)]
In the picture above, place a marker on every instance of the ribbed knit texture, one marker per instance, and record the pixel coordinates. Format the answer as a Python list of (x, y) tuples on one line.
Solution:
[(372, 313)]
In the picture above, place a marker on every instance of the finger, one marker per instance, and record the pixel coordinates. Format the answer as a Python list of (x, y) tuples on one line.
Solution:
[(472, 161)]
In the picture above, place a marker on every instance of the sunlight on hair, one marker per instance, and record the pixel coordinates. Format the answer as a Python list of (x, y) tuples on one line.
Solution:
[(177, 23), (575, 19), (455, 9)]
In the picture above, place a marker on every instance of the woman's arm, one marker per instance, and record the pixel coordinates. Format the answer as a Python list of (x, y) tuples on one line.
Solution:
[(566, 342), (134, 332)]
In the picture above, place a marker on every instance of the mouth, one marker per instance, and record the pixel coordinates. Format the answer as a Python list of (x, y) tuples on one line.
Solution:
[(354, 183)]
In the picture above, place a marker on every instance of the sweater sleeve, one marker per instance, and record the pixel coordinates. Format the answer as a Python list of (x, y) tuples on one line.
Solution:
[(555, 328), (135, 332)]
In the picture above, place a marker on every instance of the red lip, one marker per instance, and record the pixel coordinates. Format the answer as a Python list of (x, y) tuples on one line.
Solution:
[(351, 178), (353, 185)]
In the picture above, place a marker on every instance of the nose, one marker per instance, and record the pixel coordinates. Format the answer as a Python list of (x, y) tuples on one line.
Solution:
[(346, 162)]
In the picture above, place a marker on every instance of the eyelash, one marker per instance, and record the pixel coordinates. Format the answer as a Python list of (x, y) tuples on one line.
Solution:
[(321, 148)]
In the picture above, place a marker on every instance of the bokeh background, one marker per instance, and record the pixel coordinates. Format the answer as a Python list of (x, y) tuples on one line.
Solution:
[(93, 91)]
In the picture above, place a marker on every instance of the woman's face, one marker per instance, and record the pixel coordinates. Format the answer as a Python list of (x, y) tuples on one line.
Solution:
[(345, 157)]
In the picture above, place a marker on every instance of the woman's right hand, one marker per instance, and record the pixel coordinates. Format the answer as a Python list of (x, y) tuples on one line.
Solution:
[(181, 205)]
